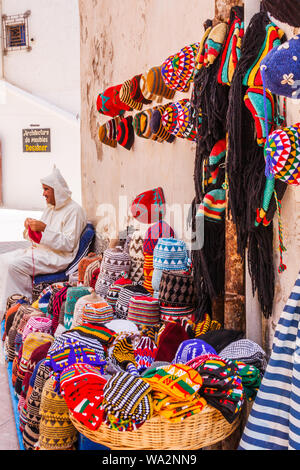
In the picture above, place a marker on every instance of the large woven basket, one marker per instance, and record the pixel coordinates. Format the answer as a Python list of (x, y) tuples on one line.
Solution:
[(195, 432)]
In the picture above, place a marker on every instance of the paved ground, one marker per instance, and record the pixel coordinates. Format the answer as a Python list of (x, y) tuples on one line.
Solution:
[(11, 230)]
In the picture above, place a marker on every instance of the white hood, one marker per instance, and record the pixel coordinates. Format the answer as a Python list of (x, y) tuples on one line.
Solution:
[(56, 181)]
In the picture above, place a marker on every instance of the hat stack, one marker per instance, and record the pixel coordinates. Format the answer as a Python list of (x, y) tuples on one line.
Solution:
[(143, 310), (169, 254), (79, 306), (82, 388), (56, 429), (73, 294), (125, 294), (115, 263), (114, 290), (97, 312), (127, 402), (18, 341)]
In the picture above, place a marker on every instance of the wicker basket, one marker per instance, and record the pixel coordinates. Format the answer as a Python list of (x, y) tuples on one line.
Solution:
[(195, 432)]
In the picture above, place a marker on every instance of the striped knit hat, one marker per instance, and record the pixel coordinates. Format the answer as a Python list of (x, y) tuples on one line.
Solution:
[(82, 336), (158, 131), (143, 310), (213, 205), (109, 103), (97, 312), (214, 43), (121, 308), (136, 92), (125, 96), (170, 254), (172, 313), (114, 290), (158, 230), (128, 397), (254, 100), (148, 272), (78, 311), (104, 138), (125, 133), (156, 84)]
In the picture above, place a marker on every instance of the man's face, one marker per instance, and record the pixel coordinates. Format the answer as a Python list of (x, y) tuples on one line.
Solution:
[(48, 194)]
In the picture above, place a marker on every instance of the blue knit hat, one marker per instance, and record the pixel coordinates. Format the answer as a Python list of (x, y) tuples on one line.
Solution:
[(190, 349), (281, 69), (170, 254)]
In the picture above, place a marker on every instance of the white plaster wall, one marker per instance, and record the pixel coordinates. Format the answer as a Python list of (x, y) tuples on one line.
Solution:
[(51, 70), (22, 171), (118, 41)]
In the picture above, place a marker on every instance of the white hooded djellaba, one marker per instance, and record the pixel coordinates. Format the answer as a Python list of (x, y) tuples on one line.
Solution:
[(58, 246)]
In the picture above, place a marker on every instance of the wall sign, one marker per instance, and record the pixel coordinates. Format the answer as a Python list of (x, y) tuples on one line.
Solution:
[(36, 140)]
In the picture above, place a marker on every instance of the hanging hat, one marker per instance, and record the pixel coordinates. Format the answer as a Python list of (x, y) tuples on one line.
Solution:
[(125, 96), (199, 59), (283, 153), (214, 43), (156, 84), (190, 349), (280, 69), (125, 133), (143, 310), (144, 89), (254, 100), (186, 128), (232, 47), (287, 12), (169, 119), (107, 133), (213, 205), (184, 62), (158, 131), (171, 79), (139, 124), (136, 92), (272, 40), (109, 103), (97, 312), (149, 206), (170, 254)]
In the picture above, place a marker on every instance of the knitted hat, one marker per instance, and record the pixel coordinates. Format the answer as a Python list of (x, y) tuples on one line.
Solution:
[(184, 62), (128, 397), (78, 311), (116, 261), (121, 308), (214, 43), (232, 47), (149, 206), (99, 332), (171, 337), (144, 88), (145, 353), (125, 133), (158, 131), (56, 429), (171, 313), (158, 230), (136, 92), (137, 256), (42, 324), (177, 288), (156, 84), (103, 137), (99, 312), (287, 12), (190, 349), (143, 310), (109, 103), (246, 351), (213, 205), (73, 294), (175, 380), (283, 154), (171, 79), (125, 96), (89, 272), (199, 58), (123, 327), (254, 100), (148, 272), (170, 254), (280, 69), (83, 336), (114, 290), (58, 308), (82, 388), (34, 235)]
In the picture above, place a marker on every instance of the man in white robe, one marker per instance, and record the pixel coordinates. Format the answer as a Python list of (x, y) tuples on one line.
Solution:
[(60, 228)]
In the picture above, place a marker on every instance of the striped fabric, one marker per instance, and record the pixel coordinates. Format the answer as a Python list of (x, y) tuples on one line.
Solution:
[(274, 421), (97, 312), (143, 310)]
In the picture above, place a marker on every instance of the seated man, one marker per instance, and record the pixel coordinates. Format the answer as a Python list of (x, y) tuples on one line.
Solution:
[(55, 241)]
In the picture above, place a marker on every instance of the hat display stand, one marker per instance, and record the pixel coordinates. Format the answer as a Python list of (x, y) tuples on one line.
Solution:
[(195, 432)]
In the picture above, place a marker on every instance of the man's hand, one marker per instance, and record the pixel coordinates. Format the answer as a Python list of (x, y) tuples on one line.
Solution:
[(36, 225)]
